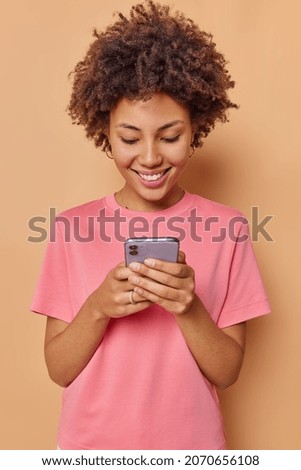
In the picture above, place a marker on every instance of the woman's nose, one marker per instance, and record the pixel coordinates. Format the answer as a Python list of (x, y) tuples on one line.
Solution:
[(150, 155)]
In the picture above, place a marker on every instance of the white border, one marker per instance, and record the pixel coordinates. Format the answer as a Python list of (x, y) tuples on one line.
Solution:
[(176, 459)]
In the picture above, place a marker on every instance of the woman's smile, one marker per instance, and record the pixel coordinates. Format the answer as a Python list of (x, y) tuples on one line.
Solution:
[(153, 179)]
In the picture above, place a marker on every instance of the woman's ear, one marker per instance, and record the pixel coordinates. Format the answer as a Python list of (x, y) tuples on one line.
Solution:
[(192, 136), (193, 130), (106, 132)]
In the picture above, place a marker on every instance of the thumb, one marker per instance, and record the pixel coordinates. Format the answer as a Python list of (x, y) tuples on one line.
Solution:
[(181, 257)]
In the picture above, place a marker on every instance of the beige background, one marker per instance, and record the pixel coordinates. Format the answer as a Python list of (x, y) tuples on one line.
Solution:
[(252, 161)]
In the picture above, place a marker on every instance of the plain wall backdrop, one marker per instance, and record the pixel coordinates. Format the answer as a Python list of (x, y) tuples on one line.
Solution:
[(252, 161)]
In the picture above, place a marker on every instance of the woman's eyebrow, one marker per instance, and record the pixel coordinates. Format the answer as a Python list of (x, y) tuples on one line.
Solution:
[(161, 128), (170, 124)]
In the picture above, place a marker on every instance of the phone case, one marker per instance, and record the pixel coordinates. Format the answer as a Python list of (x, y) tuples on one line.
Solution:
[(164, 248)]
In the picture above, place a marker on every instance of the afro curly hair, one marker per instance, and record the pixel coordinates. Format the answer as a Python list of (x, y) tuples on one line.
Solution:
[(151, 51)]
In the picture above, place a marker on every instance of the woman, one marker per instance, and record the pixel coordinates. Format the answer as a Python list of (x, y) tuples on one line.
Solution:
[(140, 349)]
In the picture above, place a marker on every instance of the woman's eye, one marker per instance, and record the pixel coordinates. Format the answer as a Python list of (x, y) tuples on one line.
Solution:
[(129, 141), (171, 139)]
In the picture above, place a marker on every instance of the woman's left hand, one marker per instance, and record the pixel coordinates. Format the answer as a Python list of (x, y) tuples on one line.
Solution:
[(170, 285)]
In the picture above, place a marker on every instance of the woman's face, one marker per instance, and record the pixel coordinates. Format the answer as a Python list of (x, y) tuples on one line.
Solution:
[(150, 144)]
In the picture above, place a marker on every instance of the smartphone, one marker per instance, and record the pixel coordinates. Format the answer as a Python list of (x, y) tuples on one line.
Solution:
[(138, 249)]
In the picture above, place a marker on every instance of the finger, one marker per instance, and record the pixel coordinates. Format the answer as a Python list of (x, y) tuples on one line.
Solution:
[(169, 305), (150, 296), (175, 306), (147, 286), (158, 276), (133, 297), (121, 272), (172, 306), (181, 257), (150, 265)]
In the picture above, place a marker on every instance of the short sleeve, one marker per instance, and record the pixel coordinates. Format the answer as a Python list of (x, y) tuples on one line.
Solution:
[(52, 293), (246, 297)]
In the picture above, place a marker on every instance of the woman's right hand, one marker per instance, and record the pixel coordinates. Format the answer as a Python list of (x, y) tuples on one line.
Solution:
[(112, 299)]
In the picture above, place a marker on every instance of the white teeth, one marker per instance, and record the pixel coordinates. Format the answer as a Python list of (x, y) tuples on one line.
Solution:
[(151, 177)]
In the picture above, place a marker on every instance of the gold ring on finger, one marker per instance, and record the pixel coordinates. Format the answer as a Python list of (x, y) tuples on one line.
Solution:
[(131, 293)]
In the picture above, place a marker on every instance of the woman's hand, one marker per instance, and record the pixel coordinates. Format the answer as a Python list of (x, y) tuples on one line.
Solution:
[(114, 297), (170, 285)]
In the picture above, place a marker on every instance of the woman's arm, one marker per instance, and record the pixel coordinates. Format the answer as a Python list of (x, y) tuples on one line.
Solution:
[(70, 346), (218, 352)]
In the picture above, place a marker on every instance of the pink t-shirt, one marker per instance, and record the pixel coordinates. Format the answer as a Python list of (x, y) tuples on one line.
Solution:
[(142, 389)]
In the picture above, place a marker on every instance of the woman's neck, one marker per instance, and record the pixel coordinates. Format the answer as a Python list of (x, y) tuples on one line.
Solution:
[(130, 201)]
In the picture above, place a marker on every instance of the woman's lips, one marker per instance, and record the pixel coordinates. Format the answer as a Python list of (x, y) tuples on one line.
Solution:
[(153, 180)]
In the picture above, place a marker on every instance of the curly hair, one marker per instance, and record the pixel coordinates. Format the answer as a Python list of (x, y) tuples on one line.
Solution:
[(151, 51)]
